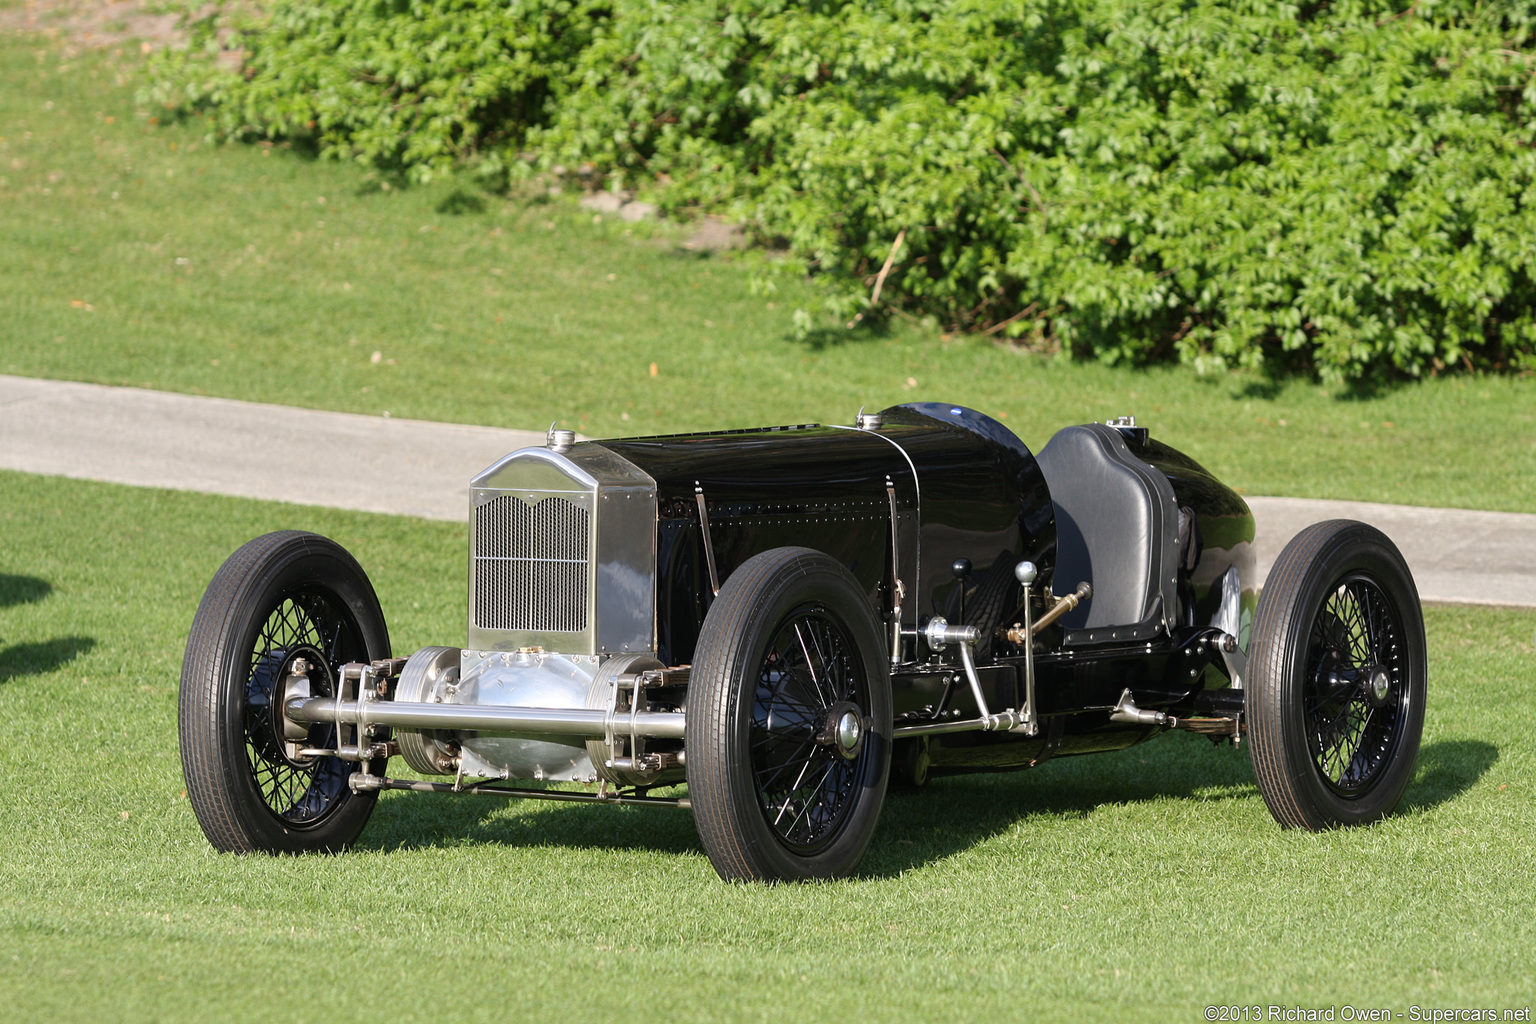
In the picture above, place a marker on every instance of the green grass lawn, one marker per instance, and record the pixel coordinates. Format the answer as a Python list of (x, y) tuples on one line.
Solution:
[(1144, 884), (135, 253)]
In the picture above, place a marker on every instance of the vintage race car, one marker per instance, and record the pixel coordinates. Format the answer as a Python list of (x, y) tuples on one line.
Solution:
[(783, 620)]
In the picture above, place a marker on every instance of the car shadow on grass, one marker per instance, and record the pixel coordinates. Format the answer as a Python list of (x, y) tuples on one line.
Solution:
[(34, 659), (410, 821), (16, 590), (956, 814), (948, 817), (952, 815), (1446, 770), (38, 659)]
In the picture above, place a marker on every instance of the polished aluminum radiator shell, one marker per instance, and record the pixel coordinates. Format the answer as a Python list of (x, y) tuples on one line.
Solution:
[(562, 553)]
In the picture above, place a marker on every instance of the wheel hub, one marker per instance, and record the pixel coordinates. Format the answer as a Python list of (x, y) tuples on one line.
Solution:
[(843, 730), (300, 671), (1339, 680)]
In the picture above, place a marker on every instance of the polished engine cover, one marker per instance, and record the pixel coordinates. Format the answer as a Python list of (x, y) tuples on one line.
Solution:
[(526, 679)]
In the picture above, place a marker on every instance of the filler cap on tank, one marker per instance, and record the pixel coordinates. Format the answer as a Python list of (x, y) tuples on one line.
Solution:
[(1128, 429)]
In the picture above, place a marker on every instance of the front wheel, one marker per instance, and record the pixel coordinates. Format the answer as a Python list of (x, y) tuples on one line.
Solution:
[(279, 600), (1336, 684), (789, 721)]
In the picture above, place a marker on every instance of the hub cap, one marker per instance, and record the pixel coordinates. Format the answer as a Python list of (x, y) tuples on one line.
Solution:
[(842, 729), (850, 733), (1381, 686)]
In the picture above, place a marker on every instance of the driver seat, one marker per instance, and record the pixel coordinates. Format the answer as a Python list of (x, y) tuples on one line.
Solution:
[(1117, 527)]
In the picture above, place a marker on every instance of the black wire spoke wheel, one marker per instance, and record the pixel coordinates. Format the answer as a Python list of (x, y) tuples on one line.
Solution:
[(1337, 678), (789, 721), (1353, 707), (308, 625), (287, 608), (809, 683)]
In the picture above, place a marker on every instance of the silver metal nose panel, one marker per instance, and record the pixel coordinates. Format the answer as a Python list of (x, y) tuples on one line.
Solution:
[(563, 553)]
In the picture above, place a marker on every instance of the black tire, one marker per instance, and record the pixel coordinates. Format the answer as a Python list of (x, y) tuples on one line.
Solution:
[(1337, 678), (776, 794), (279, 597)]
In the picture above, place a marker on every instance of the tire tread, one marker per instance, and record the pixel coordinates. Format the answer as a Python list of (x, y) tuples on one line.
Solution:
[(1281, 624), (726, 825), (711, 794), (212, 771)]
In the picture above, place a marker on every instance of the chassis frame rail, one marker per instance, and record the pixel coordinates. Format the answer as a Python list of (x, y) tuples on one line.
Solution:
[(376, 782)]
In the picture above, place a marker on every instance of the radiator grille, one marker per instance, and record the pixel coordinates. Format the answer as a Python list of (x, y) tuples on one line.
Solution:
[(531, 565)]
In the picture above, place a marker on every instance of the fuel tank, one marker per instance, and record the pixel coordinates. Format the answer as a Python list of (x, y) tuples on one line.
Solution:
[(1218, 584)]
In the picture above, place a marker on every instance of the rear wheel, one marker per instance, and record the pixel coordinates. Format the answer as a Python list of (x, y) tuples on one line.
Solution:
[(1336, 678), (789, 721), (280, 600)]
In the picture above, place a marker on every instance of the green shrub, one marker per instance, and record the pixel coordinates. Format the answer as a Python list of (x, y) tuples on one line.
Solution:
[(413, 85), (1343, 188)]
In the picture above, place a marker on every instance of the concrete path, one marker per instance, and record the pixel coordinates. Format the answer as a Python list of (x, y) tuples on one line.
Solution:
[(220, 446), (1456, 555), (412, 467)]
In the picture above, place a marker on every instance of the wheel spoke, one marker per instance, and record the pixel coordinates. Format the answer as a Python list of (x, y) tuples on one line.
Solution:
[(790, 795), (785, 681), (804, 788), (777, 698), (810, 801), (1352, 733), (777, 770), (299, 792), (773, 737), (828, 666), (810, 667)]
